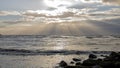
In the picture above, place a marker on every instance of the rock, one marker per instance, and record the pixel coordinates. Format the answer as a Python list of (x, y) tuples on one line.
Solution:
[(111, 61), (117, 65), (70, 67), (113, 57), (107, 64), (92, 56), (76, 60), (62, 64), (89, 62), (71, 62), (113, 54), (78, 63), (100, 60), (96, 66), (78, 67)]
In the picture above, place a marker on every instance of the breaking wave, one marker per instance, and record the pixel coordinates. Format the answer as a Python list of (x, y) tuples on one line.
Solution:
[(47, 52)]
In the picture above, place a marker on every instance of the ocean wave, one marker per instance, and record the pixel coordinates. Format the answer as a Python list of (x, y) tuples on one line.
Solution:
[(47, 52)]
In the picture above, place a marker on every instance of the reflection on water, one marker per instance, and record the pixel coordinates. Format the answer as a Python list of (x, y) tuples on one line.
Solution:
[(38, 61), (46, 51), (60, 46), (44, 43)]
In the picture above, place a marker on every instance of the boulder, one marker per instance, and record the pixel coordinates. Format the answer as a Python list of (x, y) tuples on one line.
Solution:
[(117, 65), (71, 62), (107, 64), (92, 56), (96, 66), (78, 67), (113, 54), (91, 62), (78, 64), (62, 64)]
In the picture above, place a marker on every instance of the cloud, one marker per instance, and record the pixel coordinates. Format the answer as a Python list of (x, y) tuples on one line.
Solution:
[(50, 14), (70, 3), (70, 15), (91, 1), (59, 3), (112, 1), (79, 10), (5, 13)]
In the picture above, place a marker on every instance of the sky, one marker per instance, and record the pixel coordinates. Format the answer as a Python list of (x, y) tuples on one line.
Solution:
[(22, 16)]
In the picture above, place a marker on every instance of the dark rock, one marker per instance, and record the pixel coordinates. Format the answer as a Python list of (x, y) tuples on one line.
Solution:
[(78, 67), (76, 60), (78, 63), (113, 57), (62, 64), (71, 62), (100, 60), (113, 54), (96, 66), (111, 61), (90, 62), (92, 56), (107, 64), (71, 67), (117, 65), (107, 59)]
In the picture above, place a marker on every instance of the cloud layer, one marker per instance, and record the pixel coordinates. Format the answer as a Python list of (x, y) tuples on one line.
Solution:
[(64, 10), (5, 13), (112, 1), (60, 17)]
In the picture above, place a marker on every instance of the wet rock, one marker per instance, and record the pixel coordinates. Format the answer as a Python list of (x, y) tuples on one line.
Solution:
[(76, 60), (111, 61), (78, 67), (100, 60), (96, 66), (117, 65), (113, 57), (107, 64), (92, 56), (71, 62), (113, 54), (90, 62), (62, 64), (70, 67), (78, 63)]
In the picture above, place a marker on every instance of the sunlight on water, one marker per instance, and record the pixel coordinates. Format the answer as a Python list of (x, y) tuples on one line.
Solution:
[(59, 45), (37, 51)]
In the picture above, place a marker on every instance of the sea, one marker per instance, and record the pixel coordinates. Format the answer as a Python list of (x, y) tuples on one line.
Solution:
[(41, 51)]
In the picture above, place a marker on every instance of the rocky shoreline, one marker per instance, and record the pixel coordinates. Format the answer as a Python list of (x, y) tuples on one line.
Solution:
[(110, 61)]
